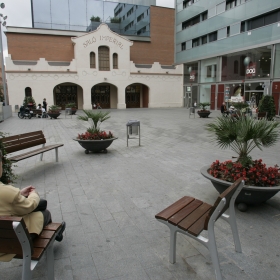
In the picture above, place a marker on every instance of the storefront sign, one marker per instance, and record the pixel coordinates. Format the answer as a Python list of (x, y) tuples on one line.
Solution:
[(227, 90), (103, 38), (236, 99), (251, 70)]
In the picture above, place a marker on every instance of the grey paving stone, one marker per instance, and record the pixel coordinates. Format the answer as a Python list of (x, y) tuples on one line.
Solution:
[(109, 201)]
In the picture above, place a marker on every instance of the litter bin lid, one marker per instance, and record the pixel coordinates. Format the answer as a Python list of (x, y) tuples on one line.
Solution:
[(133, 123)]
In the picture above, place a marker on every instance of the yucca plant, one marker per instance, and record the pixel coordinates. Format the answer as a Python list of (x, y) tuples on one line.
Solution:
[(242, 135), (96, 119)]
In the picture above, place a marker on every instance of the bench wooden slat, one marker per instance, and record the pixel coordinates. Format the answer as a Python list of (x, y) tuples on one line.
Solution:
[(10, 246), (7, 233), (34, 152), (194, 216), (47, 234), (5, 221), (53, 226), (174, 208), (37, 254), (40, 242), (198, 226), (186, 211)]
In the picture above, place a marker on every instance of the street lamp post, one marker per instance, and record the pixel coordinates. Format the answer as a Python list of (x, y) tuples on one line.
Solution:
[(2, 6)]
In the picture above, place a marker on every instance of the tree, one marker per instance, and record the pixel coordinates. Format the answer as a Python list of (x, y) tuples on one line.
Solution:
[(267, 105)]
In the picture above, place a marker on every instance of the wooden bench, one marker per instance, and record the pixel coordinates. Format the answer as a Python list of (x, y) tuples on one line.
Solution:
[(36, 112), (15, 239), (191, 216), (28, 140)]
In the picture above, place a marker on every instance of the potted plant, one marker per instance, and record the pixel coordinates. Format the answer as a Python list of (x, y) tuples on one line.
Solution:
[(242, 135), (267, 107), (73, 108), (54, 111), (29, 102), (203, 113), (95, 139), (8, 175)]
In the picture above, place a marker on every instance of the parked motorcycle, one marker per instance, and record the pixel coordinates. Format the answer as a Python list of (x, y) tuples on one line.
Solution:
[(25, 113)]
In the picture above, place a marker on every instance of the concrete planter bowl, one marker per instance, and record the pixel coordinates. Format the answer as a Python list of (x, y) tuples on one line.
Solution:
[(53, 115), (203, 113), (95, 146), (250, 195)]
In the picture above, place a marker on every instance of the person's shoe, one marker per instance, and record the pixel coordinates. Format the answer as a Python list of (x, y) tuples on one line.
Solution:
[(59, 236)]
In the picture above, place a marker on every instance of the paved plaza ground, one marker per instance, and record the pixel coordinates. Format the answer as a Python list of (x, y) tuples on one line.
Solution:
[(109, 201)]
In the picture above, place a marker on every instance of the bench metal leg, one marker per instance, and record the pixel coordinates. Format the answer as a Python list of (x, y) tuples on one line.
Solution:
[(50, 261), (173, 239), (41, 157), (214, 253), (56, 154)]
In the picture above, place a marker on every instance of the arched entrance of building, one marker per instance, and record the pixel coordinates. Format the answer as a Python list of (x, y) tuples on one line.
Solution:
[(137, 96), (104, 94), (68, 93)]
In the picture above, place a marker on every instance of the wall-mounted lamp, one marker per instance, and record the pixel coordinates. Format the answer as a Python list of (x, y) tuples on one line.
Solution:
[(29, 69), (139, 71), (105, 79), (233, 85), (260, 84), (167, 72), (240, 85)]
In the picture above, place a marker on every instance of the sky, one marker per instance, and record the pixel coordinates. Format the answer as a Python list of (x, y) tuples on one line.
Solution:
[(19, 14)]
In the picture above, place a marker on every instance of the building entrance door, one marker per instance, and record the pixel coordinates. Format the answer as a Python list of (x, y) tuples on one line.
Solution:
[(253, 97), (190, 96), (101, 95), (64, 94)]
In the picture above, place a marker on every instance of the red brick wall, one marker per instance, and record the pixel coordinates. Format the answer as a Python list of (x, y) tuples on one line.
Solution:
[(161, 47), (60, 48), (35, 46)]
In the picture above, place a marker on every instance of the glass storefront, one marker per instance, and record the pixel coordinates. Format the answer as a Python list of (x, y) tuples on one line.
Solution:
[(122, 18), (242, 76), (247, 65)]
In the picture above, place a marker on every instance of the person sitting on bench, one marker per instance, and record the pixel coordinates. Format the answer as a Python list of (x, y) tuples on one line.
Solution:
[(25, 203), (224, 110)]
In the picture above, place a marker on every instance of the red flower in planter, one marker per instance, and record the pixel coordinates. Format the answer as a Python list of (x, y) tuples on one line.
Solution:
[(255, 175)]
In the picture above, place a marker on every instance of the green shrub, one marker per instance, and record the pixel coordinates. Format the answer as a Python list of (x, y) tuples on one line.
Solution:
[(267, 105)]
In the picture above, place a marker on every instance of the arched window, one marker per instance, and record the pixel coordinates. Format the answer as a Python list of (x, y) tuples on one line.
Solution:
[(235, 67), (103, 58), (92, 60), (115, 61), (28, 91)]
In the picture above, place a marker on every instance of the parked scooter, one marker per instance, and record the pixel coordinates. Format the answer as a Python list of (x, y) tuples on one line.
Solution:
[(25, 113)]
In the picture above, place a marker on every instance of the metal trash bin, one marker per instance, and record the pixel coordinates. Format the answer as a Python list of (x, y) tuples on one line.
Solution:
[(192, 112), (132, 130), (68, 111), (16, 108)]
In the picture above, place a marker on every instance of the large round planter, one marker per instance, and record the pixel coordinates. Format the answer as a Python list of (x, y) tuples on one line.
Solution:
[(204, 114), (53, 115), (250, 195), (95, 146)]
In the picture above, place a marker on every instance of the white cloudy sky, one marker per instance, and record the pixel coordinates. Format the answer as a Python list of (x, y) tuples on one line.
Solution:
[(19, 14)]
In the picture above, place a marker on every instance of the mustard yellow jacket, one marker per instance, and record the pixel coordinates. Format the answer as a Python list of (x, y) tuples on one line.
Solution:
[(12, 203)]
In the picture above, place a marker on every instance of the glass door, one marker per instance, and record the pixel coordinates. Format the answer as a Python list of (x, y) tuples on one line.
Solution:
[(190, 96)]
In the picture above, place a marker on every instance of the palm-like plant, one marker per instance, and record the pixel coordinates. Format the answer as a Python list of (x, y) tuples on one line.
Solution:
[(242, 135), (96, 119), (203, 105)]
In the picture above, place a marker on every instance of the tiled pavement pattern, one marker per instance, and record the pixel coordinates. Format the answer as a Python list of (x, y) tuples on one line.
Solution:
[(109, 201)]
